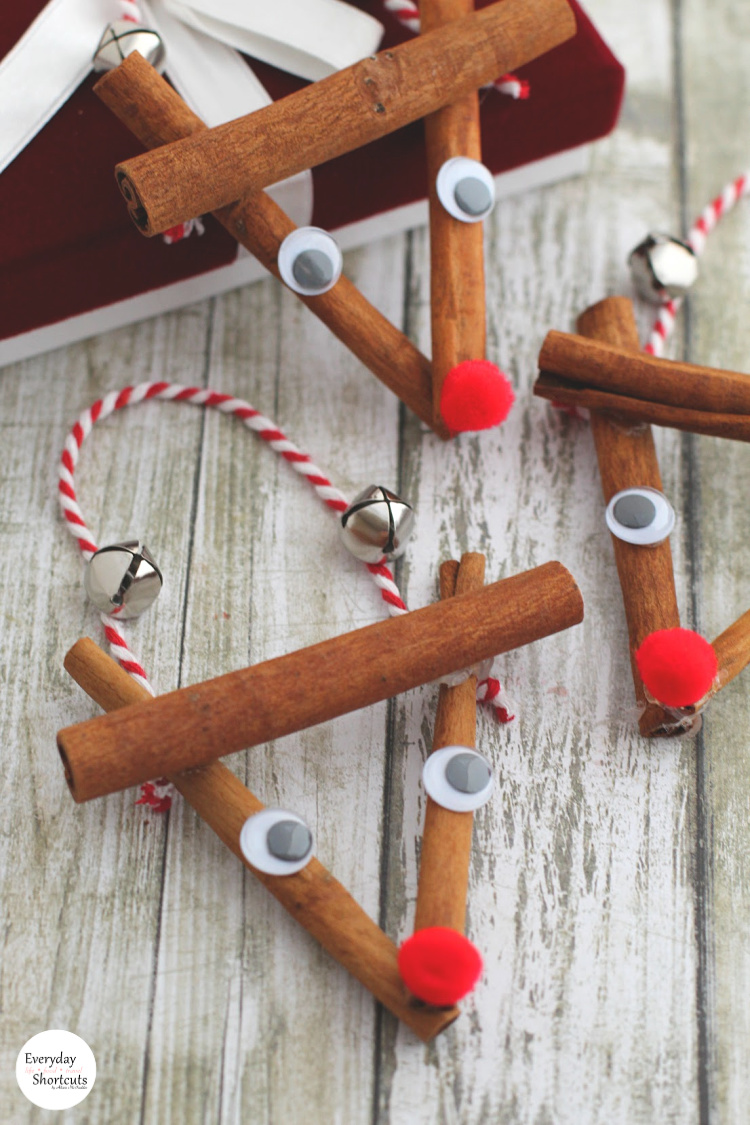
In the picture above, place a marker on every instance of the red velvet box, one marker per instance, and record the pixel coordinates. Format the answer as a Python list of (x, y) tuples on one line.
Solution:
[(73, 265)]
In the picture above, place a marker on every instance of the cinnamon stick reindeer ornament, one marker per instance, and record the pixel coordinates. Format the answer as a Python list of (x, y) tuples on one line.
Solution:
[(182, 734), (275, 845), (675, 671), (437, 76)]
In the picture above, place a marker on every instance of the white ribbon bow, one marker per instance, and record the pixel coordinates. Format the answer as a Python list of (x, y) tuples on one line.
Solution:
[(309, 38)]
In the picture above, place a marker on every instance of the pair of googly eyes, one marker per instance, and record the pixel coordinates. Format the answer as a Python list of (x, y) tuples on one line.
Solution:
[(466, 189), (458, 778), (309, 258), (642, 516), (276, 842)]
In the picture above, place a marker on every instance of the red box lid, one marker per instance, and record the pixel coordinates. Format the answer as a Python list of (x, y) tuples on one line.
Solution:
[(68, 247)]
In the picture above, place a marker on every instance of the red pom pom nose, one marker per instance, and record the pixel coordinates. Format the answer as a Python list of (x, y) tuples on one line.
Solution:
[(475, 396), (439, 965), (677, 666)]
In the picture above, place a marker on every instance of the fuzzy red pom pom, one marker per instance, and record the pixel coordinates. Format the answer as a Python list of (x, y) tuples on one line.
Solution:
[(677, 666), (439, 965), (475, 396)]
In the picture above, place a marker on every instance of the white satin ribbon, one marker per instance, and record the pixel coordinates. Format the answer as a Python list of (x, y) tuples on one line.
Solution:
[(310, 38), (42, 70)]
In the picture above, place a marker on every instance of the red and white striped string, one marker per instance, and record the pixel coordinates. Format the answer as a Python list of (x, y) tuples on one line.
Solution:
[(696, 239), (407, 14)]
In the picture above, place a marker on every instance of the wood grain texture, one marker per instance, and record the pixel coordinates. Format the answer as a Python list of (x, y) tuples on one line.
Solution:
[(609, 882), (719, 335), (365, 101)]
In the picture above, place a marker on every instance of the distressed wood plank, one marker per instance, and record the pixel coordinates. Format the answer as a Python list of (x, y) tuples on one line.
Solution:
[(717, 119), (82, 888)]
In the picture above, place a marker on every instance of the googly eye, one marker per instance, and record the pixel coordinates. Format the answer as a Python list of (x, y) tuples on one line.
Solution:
[(458, 778), (642, 516), (466, 189), (310, 261), (276, 842)]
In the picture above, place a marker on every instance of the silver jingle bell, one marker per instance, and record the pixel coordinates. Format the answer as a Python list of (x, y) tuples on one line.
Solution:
[(377, 525), (663, 268), (123, 579), (121, 38)]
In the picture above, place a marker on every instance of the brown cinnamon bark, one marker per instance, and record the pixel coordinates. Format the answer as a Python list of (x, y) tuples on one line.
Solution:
[(633, 411), (627, 459), (733, 650), (446, 839), (615, 369), (312, 896), (457, 300), (340, 113), (198, 724), (157, 115)]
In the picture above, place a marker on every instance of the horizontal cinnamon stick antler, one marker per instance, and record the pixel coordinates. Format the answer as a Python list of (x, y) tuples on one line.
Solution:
[(342, 112), (198, 724), (584, 372)]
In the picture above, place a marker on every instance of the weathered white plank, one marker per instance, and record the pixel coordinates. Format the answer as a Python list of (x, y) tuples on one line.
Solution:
[(716, 46), (81, 885)]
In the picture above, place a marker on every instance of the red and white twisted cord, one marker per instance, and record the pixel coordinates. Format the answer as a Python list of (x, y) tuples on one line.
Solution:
[(129, 10), (226, 404), (407, 14), (696, 239)]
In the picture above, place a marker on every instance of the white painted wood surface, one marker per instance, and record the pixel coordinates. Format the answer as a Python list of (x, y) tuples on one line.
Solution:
[(609, 888)]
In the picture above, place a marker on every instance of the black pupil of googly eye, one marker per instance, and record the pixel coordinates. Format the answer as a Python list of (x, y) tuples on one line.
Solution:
[(634, 511), (472, 196), (312, 269), (288, 839), (467, 774)]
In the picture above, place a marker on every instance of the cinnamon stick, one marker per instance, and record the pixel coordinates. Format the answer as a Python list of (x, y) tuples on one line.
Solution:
[(457, 293), (733, 650), (340, 113), (312, 896), (615, 369), (446, 839), (627, 459), (198, 724), (633, 411), (157, 115)]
